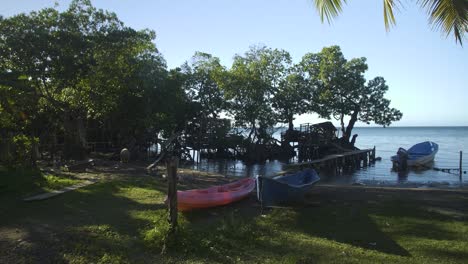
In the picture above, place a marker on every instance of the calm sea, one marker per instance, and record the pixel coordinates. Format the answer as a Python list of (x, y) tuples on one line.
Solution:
[(451, 141)]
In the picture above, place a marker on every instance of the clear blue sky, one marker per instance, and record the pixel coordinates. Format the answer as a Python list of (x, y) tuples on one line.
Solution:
[(427, 73)]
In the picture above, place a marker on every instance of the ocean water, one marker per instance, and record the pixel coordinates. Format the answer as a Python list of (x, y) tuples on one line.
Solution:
[(451, 141)]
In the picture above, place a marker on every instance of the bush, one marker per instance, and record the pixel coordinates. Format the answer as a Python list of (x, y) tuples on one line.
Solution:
[(21, 150)]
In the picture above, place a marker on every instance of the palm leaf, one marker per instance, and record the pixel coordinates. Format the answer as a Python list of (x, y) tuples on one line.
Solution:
[(448, 16), (389, 18), (329, 8)]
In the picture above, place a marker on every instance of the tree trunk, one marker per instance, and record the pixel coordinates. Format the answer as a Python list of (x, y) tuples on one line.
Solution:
[(34, 151), (343, 131), (251, 132), (351, 123), (290, 122), (353, 140), (75, 137)]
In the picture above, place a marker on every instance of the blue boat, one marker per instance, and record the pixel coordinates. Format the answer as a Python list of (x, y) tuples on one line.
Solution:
[(287, 188), (418, 155)]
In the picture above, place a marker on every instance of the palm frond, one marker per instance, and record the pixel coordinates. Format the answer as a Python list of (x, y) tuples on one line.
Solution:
[(448, 16), (329, 8), (389, 18)]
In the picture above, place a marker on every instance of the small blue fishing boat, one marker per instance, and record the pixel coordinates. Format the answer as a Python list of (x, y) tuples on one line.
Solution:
[(418, 155), (287, 188)]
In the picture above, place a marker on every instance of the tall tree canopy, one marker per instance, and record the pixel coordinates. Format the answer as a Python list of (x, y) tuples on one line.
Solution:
[(450, 16), (202, 72), (293, 96), (77, 64), (250, 86), (342, 90)]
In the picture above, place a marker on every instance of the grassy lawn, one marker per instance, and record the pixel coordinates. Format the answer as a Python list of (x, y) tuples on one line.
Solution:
[(23, 182), (123, 220)]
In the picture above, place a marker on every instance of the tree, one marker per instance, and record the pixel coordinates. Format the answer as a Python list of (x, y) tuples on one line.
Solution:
[(250, 86), (293, 96), (78, 62), (450, 16), (201, 85), (136, 118), (20, 121), (342, 90)]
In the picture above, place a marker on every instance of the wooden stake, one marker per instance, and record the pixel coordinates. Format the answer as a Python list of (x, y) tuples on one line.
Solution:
[(171, 166), (461, 170), (373, 154)]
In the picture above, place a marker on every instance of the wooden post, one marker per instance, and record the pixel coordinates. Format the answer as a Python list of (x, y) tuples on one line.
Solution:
[(461, 170), (171, 166), (373, 154), (402, 161)]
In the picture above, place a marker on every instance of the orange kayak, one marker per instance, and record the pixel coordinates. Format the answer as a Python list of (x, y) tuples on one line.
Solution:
[(214, 196)]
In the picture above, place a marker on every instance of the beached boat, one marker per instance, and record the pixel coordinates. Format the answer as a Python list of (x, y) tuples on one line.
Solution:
[(287, 188), (214, 196), (418, 155)]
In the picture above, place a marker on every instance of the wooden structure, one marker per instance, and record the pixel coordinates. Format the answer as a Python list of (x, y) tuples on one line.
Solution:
[(336, 164), (312, 141)]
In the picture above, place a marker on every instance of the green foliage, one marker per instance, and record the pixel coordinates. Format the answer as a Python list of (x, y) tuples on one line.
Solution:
[(24, 148), (64, 74), (64, 68), (450, 16), (250, 86), (20, 182), (18, 150), (294, 96), (201, 84), (342, 90)]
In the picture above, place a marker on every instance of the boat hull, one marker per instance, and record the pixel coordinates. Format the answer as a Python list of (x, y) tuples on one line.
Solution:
[(214, 196), (418, 155), (285, 189)]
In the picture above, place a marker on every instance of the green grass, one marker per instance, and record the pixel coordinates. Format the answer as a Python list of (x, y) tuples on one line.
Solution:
[(124, 221), (22, 182)]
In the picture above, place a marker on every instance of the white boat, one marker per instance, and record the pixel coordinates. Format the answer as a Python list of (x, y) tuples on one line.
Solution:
[(418, 155)]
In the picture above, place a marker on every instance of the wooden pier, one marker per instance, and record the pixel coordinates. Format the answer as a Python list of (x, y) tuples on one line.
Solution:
[(337, 163)]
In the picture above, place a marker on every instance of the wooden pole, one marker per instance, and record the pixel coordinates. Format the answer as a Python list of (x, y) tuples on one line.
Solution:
[(461, 170), (373, 154), (171, 166)]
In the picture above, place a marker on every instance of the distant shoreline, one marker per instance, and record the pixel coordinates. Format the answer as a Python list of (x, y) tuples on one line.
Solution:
[(412, 127), (389, 127)]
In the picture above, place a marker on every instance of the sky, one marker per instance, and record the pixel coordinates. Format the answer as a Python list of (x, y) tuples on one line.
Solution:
[(427, 72)]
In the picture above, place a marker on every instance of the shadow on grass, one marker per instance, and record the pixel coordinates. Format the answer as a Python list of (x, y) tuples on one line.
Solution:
[(420, 220), (232, 233), (238, 227), (103, 220), (20, 182), (349, 225), (108, 221)]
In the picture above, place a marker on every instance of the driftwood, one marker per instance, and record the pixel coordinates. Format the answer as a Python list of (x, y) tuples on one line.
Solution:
[(80, 166), (164, 150)]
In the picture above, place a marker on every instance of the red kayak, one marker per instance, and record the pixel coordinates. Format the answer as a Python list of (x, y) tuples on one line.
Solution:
[(214, 196)]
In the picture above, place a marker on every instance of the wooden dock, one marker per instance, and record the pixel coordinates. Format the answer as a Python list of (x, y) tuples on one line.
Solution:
[(337, 163)]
